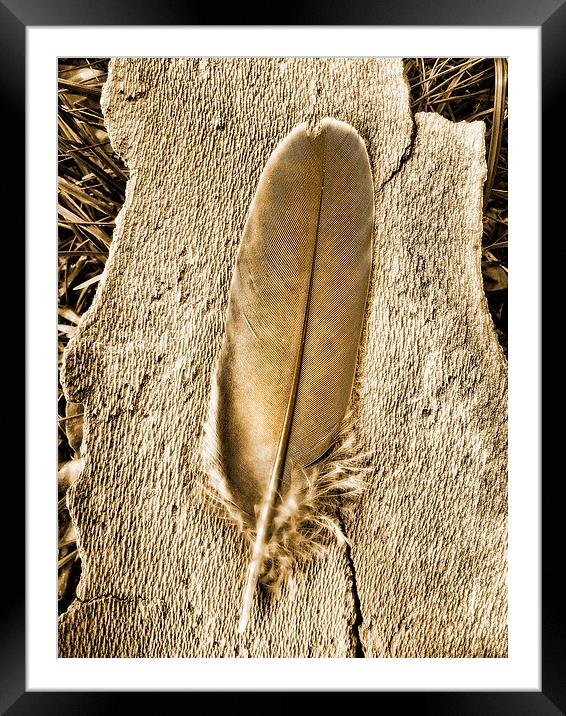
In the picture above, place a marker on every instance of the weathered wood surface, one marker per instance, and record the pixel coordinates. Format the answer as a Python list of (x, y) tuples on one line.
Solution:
[(162, 572)]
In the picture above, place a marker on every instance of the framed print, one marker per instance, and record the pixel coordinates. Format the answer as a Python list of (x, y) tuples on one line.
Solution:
[(168, 359)]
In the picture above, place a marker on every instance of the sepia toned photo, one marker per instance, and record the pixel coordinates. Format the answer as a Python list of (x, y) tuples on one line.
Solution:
[(282, 412)]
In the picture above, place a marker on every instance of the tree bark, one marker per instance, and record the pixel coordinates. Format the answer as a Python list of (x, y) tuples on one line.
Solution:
[(163, 572)]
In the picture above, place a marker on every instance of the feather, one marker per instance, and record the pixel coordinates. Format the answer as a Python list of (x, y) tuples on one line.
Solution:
[(276, 435)]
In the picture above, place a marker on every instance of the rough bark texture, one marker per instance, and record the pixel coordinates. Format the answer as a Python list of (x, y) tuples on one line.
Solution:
[(163, 572)]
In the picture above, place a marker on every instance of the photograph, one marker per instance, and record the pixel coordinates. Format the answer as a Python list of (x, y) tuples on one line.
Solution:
[(282, 320)]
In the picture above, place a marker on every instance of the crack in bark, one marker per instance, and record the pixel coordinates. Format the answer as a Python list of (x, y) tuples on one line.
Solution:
[(405, 156), (358, 617), (115, 597)]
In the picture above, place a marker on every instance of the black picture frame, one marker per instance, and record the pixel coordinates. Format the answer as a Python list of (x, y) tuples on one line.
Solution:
[(550, 16)]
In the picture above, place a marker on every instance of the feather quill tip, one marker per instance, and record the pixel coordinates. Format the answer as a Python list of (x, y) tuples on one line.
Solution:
[(247, 602)]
